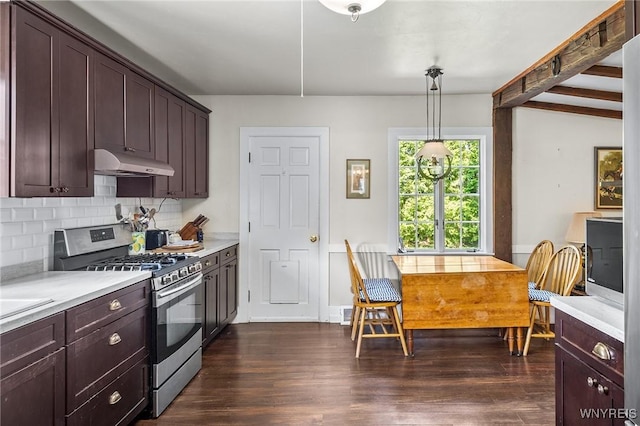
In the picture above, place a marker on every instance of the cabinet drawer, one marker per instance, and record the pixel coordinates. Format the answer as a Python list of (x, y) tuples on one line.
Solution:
[(210, 262), (591, 346), (95, 360), (27, 344), (228, 255), (88, 317), (119, 402)]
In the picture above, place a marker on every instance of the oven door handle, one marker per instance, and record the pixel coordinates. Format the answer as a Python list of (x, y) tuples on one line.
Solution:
[(181, 288)]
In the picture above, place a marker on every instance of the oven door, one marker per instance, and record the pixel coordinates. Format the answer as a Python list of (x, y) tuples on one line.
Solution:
[(177, 316)]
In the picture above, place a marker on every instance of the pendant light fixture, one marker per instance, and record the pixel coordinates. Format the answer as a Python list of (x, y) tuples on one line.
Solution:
[(355, 8), (433, 155)]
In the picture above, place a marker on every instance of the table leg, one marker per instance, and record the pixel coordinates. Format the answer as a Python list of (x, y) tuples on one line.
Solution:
[(409, 339), (520, 341), (510, 339)]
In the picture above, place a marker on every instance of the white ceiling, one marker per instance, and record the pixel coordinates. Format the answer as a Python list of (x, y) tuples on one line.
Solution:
[(238, 47)]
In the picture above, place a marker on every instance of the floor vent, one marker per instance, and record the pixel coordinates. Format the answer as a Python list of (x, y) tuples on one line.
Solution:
[(345, 315)]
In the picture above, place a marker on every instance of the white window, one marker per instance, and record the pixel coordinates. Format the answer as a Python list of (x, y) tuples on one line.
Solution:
[(453, 215)]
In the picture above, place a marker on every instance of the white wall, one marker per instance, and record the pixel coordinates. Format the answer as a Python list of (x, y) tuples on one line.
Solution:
[(553, 173), (358, 129)]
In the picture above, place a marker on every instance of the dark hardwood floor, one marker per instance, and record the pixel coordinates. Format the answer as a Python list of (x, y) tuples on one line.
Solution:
[(306, 373)]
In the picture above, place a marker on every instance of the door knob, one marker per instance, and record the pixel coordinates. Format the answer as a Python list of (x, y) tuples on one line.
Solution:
[(313, 238)]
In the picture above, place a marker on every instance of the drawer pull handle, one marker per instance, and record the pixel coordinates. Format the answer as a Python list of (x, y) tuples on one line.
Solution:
[(114, 339), (602, 351), (114, 398), (591, 382), (114, 305), (603, 390)]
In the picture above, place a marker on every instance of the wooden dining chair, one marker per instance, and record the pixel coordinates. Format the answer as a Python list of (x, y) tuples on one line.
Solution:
[(379, 284), (558, 279), (375, 306), (537, 263)]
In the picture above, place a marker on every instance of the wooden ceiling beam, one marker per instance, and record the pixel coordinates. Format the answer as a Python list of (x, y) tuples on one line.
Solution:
[(586, 93), (594, 42), (573, 109), (604, 71)]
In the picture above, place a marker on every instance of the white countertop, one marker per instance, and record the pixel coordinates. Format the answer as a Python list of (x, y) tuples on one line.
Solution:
[(55, 291), (40, 295), (594, 311), (212, 246)]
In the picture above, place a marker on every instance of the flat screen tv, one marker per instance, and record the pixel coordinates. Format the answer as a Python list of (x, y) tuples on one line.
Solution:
[(603, 258)]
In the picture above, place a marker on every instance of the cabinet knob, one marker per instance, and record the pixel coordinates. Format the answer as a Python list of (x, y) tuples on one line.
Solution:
[(114, 305), (602, 351), (603, 390), (207, 263), (52, 190), (592, 382), (228, 254), (114, 339), (64, 189), (128, 148), (114, 398)]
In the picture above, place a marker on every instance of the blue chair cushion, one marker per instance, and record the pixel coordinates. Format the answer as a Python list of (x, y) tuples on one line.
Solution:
[(380, 290), (541, 295), (532, 285)]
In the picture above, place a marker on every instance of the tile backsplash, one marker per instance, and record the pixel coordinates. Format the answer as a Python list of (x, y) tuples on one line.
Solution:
[(27, 224)]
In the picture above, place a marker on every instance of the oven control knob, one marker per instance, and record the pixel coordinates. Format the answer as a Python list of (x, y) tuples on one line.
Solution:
[(184, 272), (166, 279)]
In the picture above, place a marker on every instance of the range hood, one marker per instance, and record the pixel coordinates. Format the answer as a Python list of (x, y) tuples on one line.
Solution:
[(124, 164)]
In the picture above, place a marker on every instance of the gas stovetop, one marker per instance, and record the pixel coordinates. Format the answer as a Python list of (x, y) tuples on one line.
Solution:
[(154, 262), (105, 247)]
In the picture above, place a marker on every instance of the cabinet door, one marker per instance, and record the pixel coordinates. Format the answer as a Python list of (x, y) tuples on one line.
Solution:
[(75, 104), (139, 115), (231, 272), (584, 395), (35, 394), (211, 326), (35, 123), (228, 291), (169, 137), (109, 103), (197, 153)]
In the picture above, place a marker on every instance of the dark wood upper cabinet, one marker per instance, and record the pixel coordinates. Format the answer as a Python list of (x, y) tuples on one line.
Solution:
[(197, 153), (123, 109), (139, 115), (169, 140), (109, 110), (51, 120)]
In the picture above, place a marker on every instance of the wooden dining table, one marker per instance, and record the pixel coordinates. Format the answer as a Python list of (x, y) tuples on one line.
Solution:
[(448, 291)]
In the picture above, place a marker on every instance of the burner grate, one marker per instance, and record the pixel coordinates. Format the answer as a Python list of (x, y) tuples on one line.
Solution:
[(139, 262)]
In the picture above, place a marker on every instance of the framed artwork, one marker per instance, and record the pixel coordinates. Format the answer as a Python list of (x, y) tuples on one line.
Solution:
[(358, 178), (608, 190)]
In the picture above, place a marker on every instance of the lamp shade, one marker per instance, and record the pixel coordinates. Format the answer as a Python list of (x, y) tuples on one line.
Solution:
[(433, 148), (342, 6), (576, 232)]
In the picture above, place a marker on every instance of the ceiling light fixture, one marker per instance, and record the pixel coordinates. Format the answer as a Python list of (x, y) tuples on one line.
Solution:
[(434, 153), (351, 7)]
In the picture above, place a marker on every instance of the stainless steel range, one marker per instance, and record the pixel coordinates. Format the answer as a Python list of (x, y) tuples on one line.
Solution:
[(176, 300)]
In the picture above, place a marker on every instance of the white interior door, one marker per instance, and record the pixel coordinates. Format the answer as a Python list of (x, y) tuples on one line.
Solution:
[(284, 225)]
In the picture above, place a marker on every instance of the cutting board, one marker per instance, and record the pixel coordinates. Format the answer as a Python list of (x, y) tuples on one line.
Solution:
[(180, 249)]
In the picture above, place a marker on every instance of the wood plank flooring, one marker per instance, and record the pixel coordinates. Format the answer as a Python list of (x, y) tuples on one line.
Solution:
[(307, 374)]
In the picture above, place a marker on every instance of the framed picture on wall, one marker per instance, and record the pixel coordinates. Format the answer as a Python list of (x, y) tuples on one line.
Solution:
[(608, 172), (358, 178)]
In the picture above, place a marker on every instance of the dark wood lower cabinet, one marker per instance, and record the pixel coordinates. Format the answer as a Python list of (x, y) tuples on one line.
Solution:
[(88, 365), (32, 373), (589, 375), (117, 403), (34, 395), (221, 292)]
